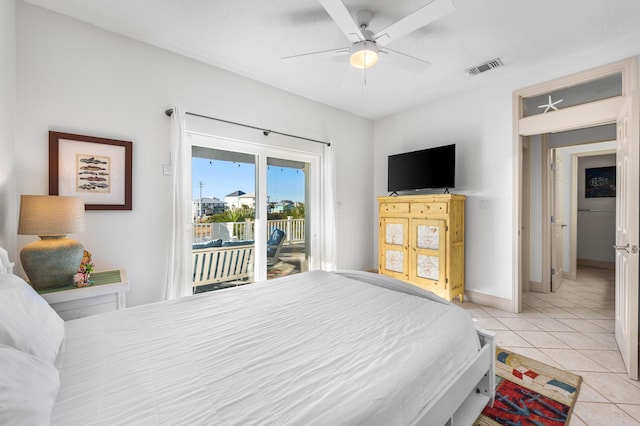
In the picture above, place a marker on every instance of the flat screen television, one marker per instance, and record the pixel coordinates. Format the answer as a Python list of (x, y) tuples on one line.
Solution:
[(424, 169)]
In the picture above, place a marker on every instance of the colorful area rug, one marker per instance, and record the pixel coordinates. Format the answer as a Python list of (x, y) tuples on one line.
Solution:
[(529, 392)]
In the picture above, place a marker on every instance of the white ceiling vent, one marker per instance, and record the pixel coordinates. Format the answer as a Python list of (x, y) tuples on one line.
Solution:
[(489, 65)]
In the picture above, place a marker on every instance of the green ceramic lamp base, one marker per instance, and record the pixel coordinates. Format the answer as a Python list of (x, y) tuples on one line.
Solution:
[(52, 261)]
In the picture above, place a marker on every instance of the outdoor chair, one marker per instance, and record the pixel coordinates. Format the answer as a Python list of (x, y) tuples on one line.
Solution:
[(274, 244)]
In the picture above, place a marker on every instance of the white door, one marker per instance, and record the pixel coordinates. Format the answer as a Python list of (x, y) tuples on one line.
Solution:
[(626, 309), (557, 225)]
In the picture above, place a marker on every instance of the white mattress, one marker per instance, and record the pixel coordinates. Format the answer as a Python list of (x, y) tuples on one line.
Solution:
[(314, 348)]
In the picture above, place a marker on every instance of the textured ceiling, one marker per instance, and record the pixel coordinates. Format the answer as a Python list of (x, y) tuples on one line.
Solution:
[(249, 37)]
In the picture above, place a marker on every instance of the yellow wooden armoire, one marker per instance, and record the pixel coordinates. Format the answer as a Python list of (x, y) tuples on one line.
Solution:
[(421, 241)]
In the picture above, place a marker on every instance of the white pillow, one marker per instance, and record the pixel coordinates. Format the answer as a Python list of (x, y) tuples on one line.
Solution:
[(27, 322), (29, 388)]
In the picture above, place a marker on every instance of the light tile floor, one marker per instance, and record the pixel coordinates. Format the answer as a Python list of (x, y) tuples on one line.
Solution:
[(573, 329)]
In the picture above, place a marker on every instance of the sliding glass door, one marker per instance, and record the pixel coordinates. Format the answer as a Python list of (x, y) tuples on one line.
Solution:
[(287, 207), (252, 212)]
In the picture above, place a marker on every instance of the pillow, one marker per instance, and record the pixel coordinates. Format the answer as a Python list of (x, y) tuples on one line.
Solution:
[(27, 322), (237, 243), (208, 244), (29, 386)]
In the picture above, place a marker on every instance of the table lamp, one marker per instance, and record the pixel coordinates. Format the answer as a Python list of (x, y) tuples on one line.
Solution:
[(51, 261)]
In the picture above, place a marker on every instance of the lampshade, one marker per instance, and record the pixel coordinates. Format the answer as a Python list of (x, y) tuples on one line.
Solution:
[(50, 215), (364, 54), (53, 260)]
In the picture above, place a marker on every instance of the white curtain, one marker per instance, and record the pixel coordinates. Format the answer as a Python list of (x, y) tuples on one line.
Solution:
[(178, 282), (328, 256)]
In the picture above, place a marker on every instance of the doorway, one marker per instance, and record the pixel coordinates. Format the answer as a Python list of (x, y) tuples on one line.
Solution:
[(584, 112), (558, 196)]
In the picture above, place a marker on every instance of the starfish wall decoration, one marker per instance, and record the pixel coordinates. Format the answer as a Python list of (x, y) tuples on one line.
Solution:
[(550, 105)]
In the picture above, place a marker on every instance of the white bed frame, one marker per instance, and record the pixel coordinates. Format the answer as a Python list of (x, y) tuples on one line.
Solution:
[(6, 267), (464, 397)]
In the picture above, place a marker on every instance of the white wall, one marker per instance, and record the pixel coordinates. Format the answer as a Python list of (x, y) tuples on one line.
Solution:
[(480, 122), (73, 77), (484, 157), (596, 216), (8, 220)]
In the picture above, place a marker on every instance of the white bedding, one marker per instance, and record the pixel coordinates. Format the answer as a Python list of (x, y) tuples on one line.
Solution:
[(315, 348)]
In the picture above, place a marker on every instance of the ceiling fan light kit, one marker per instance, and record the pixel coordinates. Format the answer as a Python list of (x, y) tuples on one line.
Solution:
[(364, 54), (365, 45)]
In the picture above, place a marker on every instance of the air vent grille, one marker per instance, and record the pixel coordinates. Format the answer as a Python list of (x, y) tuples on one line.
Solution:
[(489, 65)]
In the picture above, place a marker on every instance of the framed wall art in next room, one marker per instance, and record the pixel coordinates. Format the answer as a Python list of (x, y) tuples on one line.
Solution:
[(600, 182), (96, 169)]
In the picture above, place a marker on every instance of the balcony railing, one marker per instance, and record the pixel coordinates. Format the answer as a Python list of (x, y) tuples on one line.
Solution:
[(242, 231)]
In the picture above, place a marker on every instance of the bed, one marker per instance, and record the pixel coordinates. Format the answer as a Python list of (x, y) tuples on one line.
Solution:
[(314, 348)]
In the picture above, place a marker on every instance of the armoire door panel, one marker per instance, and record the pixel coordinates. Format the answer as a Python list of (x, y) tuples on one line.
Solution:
[(394, 249), (428, 241)]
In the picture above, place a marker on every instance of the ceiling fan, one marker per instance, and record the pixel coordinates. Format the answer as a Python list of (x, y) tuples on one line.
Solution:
[(366, 45)]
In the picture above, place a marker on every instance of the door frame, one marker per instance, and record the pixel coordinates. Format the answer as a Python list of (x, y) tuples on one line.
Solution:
[(525, 227), (556, 236), (547, 240), (576, 117)]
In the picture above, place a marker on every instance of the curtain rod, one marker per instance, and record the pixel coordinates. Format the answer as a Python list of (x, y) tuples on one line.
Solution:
[(266, 132)]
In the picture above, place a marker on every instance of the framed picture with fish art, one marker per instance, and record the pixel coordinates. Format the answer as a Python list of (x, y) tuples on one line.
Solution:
[(95, 169)]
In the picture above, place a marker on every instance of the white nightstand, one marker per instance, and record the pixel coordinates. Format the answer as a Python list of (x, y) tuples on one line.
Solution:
[(107, 293)]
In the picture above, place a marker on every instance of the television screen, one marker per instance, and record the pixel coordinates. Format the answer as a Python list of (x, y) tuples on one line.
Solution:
[(427, 168)]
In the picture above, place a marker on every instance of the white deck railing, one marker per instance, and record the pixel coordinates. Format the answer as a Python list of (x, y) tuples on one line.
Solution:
[(242, 231)]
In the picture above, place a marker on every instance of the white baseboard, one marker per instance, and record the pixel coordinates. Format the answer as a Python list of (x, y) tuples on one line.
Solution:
[(535, 286), (488, 300), (596, 263)]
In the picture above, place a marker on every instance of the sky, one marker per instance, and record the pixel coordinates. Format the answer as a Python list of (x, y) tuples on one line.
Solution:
[(220, 178)]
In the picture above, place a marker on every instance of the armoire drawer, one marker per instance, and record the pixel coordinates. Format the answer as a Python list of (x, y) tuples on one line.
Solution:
[(426, 208), (394, 208)]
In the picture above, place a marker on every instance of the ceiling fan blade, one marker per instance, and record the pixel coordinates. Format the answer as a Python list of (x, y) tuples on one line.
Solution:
[(312, 56), (425, 15), (344, 20), (408, 62)]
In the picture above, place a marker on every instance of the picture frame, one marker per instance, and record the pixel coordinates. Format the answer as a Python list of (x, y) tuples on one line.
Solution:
[(93, 168), (600, 182)]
